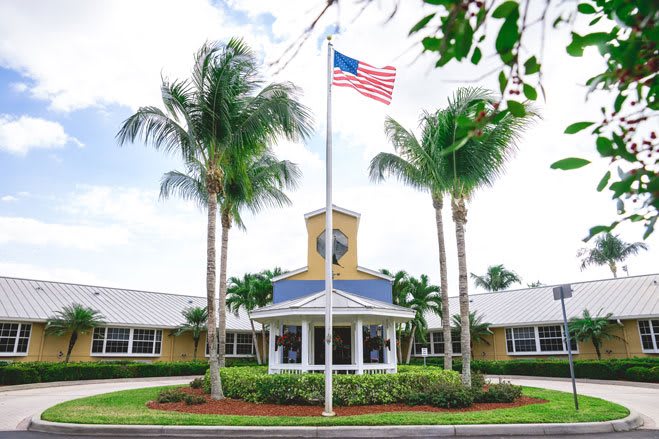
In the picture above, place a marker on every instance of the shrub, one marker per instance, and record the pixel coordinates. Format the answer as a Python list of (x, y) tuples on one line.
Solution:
[(194, 399), (197, 383), (36, 372), (171, 395), (643, 374), (253, 384), (609, 369), (445, 395), (502, 392)]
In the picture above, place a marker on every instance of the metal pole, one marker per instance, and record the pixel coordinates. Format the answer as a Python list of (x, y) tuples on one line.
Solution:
[(329, 236), (569, 353)]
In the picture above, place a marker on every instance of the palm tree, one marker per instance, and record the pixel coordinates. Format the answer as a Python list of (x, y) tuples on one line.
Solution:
[(248, 292), (595, 329), (220, 122), (263, 293), (399, 291), (609, 249), (470, 163), (75, 319), (497, 278), (196, 319), (415, 164), (478, 330), (423, 298)]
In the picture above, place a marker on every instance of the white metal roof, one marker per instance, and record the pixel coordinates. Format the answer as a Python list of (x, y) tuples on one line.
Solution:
[(625, 297), (37, 300), (334, 207), (343, 303)]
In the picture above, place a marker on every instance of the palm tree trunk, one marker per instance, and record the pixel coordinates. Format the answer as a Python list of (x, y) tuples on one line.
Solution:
[(597, 349), (613, 268), (410, 345), (460, 219), (399, 354), (72, 342), (196, 344), (216, 381), (255, 342), (438, 204), (226, 225)]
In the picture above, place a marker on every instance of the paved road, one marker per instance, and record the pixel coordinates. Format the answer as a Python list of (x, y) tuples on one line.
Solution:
[(639, 397), (16, 407)]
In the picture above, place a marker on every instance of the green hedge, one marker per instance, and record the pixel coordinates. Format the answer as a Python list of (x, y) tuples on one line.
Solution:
[(253, 384), (41, 372), (611, 369)]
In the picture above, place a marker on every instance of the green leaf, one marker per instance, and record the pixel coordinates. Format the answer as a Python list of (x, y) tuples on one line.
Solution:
[(575, 48), (604, 146), (431, 43), (620, 99), (586, 8), (476, 56), (500, 115), (569, 163), (421, 24), (595, 20), (516, 109), (508, 34), (530, 92), (456, 145), (531, 66), (578, 126), (505, 9), (597, 230), (604, 181), (503, 81)]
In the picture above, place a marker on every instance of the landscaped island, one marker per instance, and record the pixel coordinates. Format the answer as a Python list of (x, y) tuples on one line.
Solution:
[(413, 396)]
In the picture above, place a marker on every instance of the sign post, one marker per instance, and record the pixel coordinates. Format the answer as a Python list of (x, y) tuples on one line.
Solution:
[(424, 354), (561, 293)]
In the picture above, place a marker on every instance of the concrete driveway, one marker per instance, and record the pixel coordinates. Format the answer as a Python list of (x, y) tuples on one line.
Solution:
[(17, 406), (640, 397)]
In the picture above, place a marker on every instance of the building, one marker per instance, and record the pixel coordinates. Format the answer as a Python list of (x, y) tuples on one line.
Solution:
[(525, 323), (364, 317), (138, 324)]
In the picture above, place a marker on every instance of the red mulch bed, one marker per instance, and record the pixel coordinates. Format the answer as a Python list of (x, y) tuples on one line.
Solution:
[(238, 407)]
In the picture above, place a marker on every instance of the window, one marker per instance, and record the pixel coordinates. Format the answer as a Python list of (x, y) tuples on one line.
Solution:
[(244, 344), (126, 342), (373, 343), (14, 338), (649, 330), (290, 344), (236, 344), (537, 340), (438, 343)]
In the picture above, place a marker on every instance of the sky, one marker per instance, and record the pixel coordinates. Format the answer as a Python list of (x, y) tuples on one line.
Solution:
[(76, 207)]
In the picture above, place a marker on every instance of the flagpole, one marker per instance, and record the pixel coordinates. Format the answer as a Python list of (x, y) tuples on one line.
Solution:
[(329, 236)]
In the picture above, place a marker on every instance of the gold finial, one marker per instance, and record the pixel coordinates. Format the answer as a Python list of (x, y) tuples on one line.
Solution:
[(329, 38)]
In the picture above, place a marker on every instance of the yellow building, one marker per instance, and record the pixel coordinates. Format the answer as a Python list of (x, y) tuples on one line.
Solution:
[(525, 323)]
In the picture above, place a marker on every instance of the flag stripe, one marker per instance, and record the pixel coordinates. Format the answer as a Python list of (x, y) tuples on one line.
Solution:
[(356, 79), (373, 82)]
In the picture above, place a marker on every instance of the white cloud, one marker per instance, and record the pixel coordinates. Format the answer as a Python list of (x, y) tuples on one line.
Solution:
[(20, 135), (8, 198), (29, 231), (61, 274), (78, 54), (18, 87)]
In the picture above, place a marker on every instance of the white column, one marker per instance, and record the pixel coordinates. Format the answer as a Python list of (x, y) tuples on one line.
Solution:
[(272, 357), (392, 342), (359, 346), (305, 346)]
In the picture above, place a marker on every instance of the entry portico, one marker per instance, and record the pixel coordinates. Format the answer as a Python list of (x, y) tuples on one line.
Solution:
[(364, 316), (364, 333)]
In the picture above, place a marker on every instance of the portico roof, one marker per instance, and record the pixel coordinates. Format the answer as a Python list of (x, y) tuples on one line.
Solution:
[(343, 304)]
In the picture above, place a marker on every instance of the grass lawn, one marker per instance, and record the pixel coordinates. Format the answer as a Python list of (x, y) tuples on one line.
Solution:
[(128, 407)]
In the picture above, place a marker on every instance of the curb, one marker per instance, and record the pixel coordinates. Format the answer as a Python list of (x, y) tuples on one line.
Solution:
[(631, 422), (644, 385), (83, 382)]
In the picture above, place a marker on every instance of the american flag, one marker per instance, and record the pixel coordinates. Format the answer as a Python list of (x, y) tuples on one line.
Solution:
[(373, 82)]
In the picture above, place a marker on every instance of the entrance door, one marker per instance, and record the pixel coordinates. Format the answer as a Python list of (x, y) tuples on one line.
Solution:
[(341, 353)]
